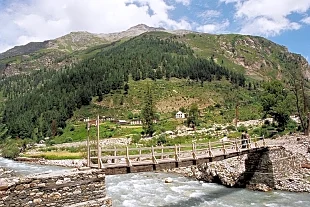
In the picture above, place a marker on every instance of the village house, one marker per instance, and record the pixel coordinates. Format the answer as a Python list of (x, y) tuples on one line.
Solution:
[(136, 122), (180, 115)]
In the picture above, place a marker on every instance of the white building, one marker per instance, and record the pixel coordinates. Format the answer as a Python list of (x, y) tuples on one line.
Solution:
[(180, 115)]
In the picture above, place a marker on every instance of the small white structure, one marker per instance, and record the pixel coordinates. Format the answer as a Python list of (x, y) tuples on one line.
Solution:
[(122, 122), (169, 132), (136, 122), (180, 115)]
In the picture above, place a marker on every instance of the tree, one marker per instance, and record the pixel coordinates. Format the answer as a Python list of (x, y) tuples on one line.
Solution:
[(148, 112), (126, 88), (193, 114), (296, 84), (277, 102)]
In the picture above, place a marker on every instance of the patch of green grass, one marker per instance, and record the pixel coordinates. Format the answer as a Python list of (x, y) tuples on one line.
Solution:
[(58, 155)]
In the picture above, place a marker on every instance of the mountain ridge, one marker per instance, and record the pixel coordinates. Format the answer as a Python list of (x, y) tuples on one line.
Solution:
[(256, 56)]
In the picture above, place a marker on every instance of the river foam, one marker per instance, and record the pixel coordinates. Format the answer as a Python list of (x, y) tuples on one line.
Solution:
[(150, 189)]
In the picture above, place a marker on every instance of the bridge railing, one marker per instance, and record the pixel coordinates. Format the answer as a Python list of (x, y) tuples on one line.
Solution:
[(162, 153)]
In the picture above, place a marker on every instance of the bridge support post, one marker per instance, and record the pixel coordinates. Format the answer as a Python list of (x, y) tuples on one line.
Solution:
[(237, 147), (249, 143), (255, 143), (115, 154), (140, 152), (210, 150), (176, 155), (264, 143), (194, 150), (127, 157), (153, 156), (99, 158), (224, 149), (88, 146), (162, 152)]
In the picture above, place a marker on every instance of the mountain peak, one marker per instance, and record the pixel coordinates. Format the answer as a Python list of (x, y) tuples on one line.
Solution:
[(145, 27)]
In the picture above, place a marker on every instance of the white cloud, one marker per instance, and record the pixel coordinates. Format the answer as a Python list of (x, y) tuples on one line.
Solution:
[(214, 28), (268, 17), (306, 20), (268, 27), (39, 20), (184, 2), (209, 14)]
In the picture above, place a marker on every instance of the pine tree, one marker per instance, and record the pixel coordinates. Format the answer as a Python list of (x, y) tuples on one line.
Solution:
[(148, 112)]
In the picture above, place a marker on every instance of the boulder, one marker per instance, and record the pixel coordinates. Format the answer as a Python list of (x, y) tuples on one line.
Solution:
[(3, 185), (259, 187), (168, 180)]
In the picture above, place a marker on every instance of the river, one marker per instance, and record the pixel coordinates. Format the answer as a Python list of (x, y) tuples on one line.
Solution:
[(149, 189)]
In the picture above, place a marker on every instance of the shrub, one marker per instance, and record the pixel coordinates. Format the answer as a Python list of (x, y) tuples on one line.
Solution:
[(50, 142), (68, 139), (291, 126), (10, 151), (218, 128), (161, 139), (130, 115), (231, 128), (71, 128), (60, 131), (136, 138), (242, 128)]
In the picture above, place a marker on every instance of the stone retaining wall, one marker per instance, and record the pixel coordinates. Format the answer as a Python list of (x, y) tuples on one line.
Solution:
[(267, 169), (71, 188), (271, 166)]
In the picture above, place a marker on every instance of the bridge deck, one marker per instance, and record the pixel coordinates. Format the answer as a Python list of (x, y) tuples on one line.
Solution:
[(130, 160)]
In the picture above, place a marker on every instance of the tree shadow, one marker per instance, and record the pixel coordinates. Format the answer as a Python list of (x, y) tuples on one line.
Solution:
[(258, 170)]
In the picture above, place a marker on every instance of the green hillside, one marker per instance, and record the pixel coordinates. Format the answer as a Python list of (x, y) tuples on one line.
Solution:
[(60, 86), (35, 102)]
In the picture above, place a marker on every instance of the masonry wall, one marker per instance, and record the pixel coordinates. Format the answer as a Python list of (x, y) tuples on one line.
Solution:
[(72, 189), (270, 165), (259, 168)]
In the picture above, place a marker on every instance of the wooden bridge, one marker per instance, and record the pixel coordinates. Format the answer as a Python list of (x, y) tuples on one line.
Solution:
[(144, 159)]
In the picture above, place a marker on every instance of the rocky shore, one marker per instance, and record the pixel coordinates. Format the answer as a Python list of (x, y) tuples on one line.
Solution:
[(4, 173), (71, 163)]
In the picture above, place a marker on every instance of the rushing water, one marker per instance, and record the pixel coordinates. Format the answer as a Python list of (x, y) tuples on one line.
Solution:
[(22, 168), (149, 189)]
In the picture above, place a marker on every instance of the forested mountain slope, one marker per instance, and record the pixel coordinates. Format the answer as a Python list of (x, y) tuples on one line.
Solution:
[(42, 89), (36, 101)]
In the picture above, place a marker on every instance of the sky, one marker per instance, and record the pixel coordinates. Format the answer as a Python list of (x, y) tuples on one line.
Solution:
[(286, 22)]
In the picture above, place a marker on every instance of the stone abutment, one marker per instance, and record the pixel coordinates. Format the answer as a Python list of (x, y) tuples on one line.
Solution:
[(70, 188)]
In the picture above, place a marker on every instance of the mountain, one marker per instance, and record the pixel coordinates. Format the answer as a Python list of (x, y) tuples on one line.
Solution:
[(44, 87), (62, 51), (257, 57)]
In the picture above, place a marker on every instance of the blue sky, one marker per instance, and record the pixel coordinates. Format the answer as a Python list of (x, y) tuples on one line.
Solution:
[(286, 22)]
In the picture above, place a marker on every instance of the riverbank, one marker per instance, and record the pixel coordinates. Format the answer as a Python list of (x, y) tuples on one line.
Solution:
[(72, 163), (5, 173)]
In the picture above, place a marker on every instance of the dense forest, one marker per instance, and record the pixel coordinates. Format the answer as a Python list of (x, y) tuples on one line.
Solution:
[(38, 104)]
